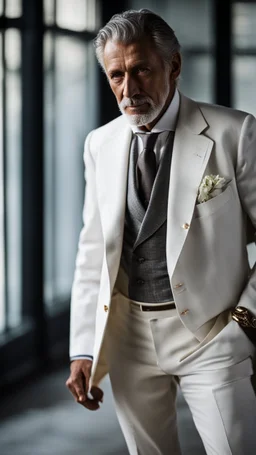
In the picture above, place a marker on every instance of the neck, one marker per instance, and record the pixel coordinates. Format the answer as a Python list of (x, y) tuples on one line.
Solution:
[(151, 125)]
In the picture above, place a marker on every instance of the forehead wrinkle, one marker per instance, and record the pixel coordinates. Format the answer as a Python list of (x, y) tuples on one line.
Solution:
[(134, 65), (117, 55)]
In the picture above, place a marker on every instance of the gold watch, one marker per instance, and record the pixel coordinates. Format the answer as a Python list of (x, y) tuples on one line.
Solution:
[(244, 317)]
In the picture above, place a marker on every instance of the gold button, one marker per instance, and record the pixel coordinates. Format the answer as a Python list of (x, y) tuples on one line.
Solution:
[(185, 312), (185, 226), (178, 285), (105, 308)]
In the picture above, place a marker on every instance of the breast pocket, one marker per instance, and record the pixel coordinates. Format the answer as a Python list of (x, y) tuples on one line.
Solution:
[(215, 204)]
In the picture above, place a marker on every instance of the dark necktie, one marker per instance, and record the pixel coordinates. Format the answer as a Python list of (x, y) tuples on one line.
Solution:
[(146, 166)]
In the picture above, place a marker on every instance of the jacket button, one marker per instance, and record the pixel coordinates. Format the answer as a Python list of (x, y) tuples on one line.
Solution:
[(105, 308), (185, 312), (185, 226), (178, 285), (140, 281)]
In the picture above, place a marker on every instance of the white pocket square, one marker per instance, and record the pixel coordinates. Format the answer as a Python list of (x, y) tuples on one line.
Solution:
[(211, 186)]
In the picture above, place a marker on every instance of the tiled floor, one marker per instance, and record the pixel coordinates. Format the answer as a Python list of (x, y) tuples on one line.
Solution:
[(43, 419)]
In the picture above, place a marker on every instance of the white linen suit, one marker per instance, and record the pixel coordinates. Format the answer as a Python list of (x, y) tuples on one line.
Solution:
[(206, 243)]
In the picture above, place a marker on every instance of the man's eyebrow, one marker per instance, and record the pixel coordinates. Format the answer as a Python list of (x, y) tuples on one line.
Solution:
[(135, 66), (140, 64), (114, 70)]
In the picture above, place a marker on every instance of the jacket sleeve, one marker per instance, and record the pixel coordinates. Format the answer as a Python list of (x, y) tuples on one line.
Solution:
[(85, 288), (246, 183)]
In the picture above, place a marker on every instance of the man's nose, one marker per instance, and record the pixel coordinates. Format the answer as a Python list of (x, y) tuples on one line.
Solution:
[(131, 87)]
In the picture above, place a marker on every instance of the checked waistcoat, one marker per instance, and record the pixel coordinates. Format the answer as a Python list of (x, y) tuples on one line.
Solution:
[(144, 245)]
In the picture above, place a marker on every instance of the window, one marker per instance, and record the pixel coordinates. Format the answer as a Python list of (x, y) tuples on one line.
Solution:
[(196, 77), (244, 25), (42, 131), (49, 11), (2, 204), (77, 15), (10, 175), (244, 50), (13, 175), (70, 113), (244, 67), (13, 8)]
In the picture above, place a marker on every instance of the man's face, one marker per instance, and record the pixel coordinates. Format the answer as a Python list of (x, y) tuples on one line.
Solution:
[(142, 84)]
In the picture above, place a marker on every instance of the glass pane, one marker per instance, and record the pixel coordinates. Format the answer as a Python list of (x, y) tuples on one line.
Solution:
[(1, 7), (184, 16), (76, 14), (13, 177), (244, 69), (48, 52), (244, 25), (49, 12), (13, 49), (70, 101), (197, 77), (92, 15), (2, 247), (13, 8)]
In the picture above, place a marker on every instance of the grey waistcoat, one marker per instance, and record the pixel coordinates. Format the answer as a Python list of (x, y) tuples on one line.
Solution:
[(144, 245)]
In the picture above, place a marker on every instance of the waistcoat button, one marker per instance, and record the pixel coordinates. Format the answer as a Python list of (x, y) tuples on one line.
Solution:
[(139, 281), (140, 260)]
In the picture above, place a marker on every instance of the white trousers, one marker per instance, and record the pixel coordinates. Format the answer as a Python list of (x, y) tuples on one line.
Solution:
[(151, 353)]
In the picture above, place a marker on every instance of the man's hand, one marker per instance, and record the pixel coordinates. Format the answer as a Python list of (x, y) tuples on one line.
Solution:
[(78, 384)]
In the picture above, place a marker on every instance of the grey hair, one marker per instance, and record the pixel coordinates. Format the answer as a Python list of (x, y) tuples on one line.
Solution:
[(131, 26)]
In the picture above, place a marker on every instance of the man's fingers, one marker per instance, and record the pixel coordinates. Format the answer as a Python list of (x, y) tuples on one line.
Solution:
[(93, 403), (77, 386), (73, 391)]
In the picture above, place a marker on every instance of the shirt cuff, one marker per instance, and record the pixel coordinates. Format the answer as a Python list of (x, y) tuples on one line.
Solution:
[(82, 356)]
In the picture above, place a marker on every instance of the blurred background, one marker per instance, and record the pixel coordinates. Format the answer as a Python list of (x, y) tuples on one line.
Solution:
[(52, 93)]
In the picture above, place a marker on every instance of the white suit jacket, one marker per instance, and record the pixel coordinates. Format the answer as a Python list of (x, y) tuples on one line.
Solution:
[(206, 243)]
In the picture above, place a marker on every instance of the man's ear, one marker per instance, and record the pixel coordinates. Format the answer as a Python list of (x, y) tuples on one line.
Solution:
[(176, 66)]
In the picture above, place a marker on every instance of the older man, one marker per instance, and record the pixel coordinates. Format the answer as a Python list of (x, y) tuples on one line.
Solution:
[(163, 295)]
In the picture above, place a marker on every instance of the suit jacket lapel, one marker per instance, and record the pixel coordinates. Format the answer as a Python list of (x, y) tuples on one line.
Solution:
[(191, 152), (112, 173)]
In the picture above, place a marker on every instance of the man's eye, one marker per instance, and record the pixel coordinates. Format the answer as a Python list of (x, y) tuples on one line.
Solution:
[(116, 76), (142, 70)]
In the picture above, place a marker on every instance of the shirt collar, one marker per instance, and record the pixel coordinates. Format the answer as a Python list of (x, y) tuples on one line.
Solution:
[(168, 120)]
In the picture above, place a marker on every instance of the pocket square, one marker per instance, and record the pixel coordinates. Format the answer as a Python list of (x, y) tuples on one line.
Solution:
[(211, 186)]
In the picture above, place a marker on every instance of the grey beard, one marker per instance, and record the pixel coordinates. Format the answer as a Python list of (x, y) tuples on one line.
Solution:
[(143, 119), (150, 116)]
